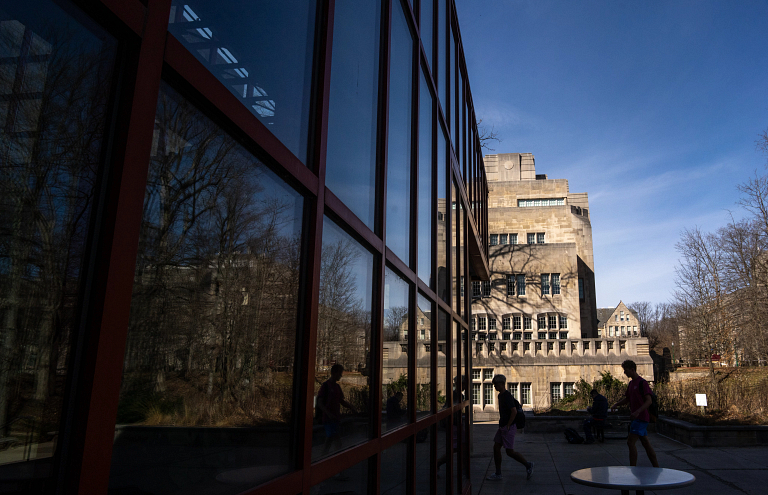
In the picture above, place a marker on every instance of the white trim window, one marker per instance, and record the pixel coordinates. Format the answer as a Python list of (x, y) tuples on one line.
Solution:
[(510, 285), (531, 238), (502, 239), (555, 284), (529, 203), (516, 323), (525, 394), (506, 323), (540, 238), (491, 323), (526, 322), (544, 284), (563, 322), (513, 238), (494, 239), (481, 323)]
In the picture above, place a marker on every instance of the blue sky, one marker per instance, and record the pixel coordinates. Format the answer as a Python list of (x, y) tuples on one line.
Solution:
[(651, 107)]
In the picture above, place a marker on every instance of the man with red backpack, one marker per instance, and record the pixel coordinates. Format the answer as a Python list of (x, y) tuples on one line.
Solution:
[(639, 397)]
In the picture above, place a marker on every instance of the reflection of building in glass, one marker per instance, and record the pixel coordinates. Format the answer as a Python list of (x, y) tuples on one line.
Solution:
[(542, 292), (212, 211)]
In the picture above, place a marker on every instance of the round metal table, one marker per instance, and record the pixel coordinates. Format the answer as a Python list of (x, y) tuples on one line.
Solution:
[(626, 478)]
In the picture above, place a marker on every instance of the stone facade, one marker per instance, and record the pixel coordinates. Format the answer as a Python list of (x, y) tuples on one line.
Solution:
[(536, 320)]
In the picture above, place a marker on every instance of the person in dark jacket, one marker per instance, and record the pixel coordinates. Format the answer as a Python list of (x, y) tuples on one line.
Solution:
[(598, 411)]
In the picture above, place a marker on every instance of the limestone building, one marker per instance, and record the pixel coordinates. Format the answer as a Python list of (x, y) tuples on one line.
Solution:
[(618, 322), (536, 319)]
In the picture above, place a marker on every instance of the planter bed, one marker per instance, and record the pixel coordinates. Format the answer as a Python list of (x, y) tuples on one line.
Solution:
[(712, 436)]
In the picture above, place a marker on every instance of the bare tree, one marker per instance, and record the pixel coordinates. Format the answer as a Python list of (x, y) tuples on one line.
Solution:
[(486, 135)]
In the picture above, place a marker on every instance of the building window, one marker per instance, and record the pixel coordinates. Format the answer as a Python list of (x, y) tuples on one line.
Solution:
[(622, 345), (563, 322), (491, 323), (610, 331), (634, 331), (555, 392), (472, 324), (482, 335), (488, 396), (622, 315), (488, 374), (555, 284), (627, 316), (531, 238), (562, 346), (502, 239), (550, 346), (491, 335), (542, 335), (568, 389), (505, 336), (476, 394), (516, 322), (494, 239), (610, 345), (517, 336), (563, 335), (479, 347), (503, 346), (462, 285), (514, 346), (525, 394), (552, 335), (491, 346), (598, 346), (599, 333), (538, 346), (510, 285), (475, 288), (623, 332), (514, 389), (542, 322), (527, 336), (486, 288), (529, 203), (581, 289), (520, 285), (540, 238), (526, 346), (526, 322), (505, 323), (552, 321), (615, 317), (586, 345), (481, 323), (544, 284), (475, 373), (513, 238), (573, 346)]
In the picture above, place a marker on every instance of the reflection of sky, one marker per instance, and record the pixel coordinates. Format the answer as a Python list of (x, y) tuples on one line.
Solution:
[(351, 158), (361, 266), (399, 137), (395, 291)]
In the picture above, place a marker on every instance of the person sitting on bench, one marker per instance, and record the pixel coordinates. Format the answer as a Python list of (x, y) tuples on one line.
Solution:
[(598, 411)]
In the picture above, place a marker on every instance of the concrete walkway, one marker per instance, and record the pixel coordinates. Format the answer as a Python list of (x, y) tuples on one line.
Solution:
[(718, 471)]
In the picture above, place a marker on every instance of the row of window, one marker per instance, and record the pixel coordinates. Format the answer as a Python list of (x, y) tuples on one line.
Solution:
[(527, 203), (503, 239), (520, 391), (620, 331), (519, 336), (550, 345), (616, 317), (518, 322), (550, 285)]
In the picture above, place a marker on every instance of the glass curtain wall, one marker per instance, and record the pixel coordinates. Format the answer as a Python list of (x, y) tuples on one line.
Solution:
[(236, 264)]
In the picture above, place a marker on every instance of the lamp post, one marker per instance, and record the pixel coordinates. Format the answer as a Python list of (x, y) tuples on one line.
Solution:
[(673, 355)]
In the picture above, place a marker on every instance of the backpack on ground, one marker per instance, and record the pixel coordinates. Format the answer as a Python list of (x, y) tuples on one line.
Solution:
[(573, 436), (519, 416)]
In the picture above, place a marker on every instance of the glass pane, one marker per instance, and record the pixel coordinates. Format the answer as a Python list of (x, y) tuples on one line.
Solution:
[(442, 87), (353, 101), (462, 258), (399, 137), (443, 472), (442, 216), (449, 103), (458, 390), (443, 399), (423, 461), (261, 52), (426, 27), (394, 469), (343, 342), (352, 481), (395, 355), (212, 335), (54, 89), (426, 206), (423, 357)]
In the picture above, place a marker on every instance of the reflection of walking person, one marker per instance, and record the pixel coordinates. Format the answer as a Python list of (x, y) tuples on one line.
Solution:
[(638, 396), (505, 435), (329, 399)]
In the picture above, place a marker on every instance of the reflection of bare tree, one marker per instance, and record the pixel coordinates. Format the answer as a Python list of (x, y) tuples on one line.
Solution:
[(50, 147), (343, 325), (395, 323), (215, 295)]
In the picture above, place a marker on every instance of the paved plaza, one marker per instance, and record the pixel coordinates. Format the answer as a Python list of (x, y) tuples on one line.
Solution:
[(718, 471)]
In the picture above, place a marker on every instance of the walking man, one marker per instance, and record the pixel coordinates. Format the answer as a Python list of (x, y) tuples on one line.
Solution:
[(509, 407), (330, 398), (638, 396)]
